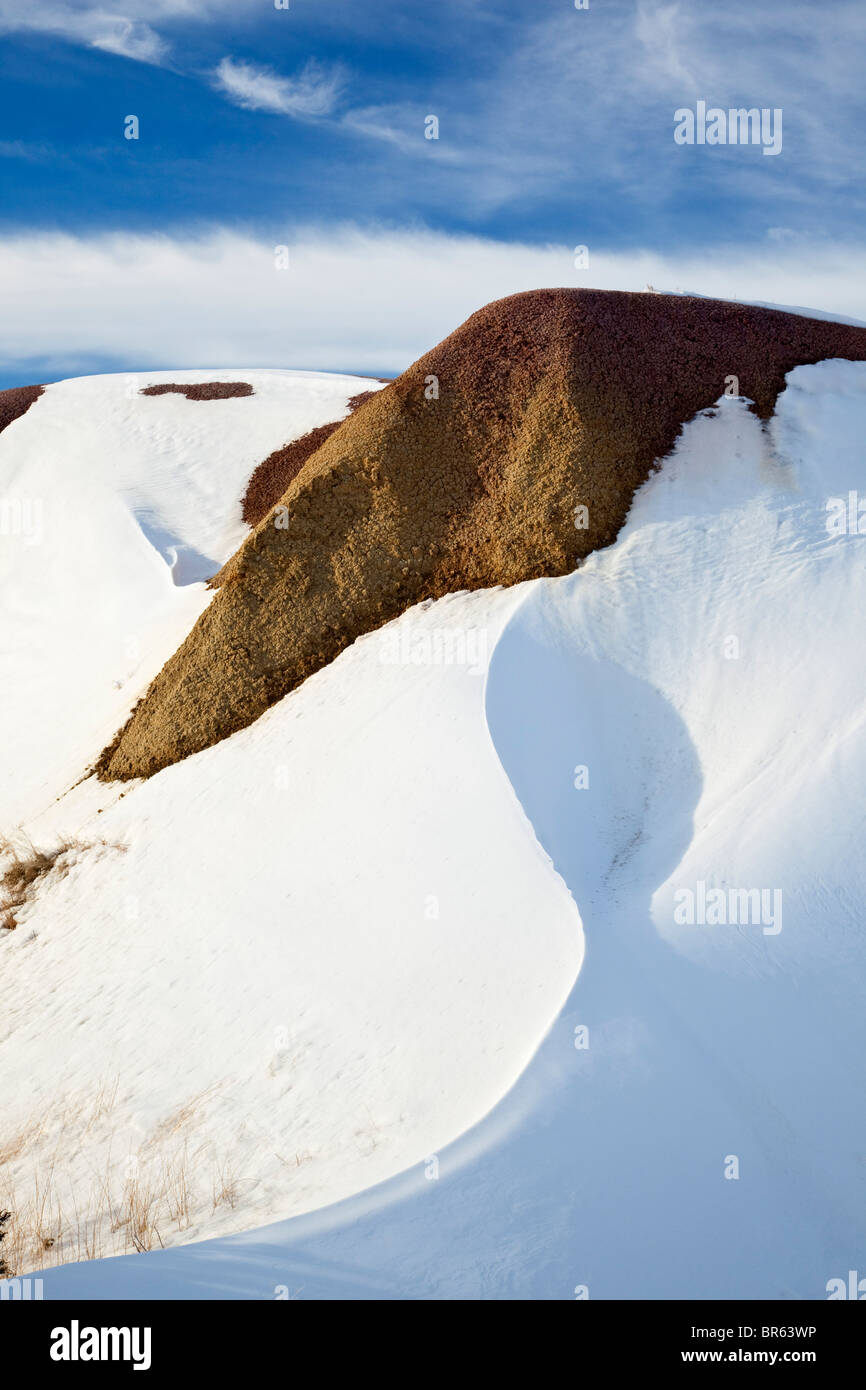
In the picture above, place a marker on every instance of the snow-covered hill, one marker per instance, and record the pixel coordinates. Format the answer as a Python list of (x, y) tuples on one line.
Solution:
[(114, 504), (340, 931), (288, 968)]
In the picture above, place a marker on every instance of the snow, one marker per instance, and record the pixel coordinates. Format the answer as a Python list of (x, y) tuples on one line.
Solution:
[(288, 968), (704, 677), (770, 304), (115, 504)]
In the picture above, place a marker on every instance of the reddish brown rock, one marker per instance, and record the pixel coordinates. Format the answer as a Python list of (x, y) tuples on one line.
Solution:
[(465, 472), (16, 402)]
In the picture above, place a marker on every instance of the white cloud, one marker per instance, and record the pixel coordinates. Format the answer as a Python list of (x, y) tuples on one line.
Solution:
[(558, 100), (130, 39), (126, 28), (314, 92), (401, 126), (659, 29), (367, 300), (129, 35)]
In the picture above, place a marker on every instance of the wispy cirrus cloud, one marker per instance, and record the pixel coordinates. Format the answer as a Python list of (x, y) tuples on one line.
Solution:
[(33, 152), (128, 28), (314, 92), (553, 121), (400, 126), (128, 34), (664, 36)]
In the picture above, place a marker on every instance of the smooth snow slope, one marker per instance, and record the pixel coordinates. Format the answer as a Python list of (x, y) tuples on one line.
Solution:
[(739, 764), (303, 960), (113, 505)]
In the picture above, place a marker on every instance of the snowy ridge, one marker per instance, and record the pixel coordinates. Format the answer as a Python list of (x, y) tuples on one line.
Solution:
[(115, 504), (687, 709)]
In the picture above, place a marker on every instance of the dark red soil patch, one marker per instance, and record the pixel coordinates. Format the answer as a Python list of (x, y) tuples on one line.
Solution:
[(201, 390), (272, 476), (470, 470), (16, 402)]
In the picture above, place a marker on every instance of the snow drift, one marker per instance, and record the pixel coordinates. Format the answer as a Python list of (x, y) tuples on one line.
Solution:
[(691, 1125), (518, 952)]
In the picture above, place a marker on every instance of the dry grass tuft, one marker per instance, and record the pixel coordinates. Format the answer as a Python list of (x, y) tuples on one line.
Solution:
[(25, 869), (226, 1185), (28, 867), (141, 1197)]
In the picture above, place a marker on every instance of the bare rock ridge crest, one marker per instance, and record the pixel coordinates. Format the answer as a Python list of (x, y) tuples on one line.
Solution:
[(547, 401), (16, 401)]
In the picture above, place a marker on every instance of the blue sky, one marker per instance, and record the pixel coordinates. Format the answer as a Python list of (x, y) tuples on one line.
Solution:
[(555, 129)]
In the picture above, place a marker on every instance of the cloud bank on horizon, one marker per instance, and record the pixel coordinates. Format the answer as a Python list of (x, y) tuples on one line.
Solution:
[(531, 130), (340, 299)]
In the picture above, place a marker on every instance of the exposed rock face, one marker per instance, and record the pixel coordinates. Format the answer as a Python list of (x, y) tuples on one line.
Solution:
[(465, 472), (201, 390), (273, 475), (16, 401)]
